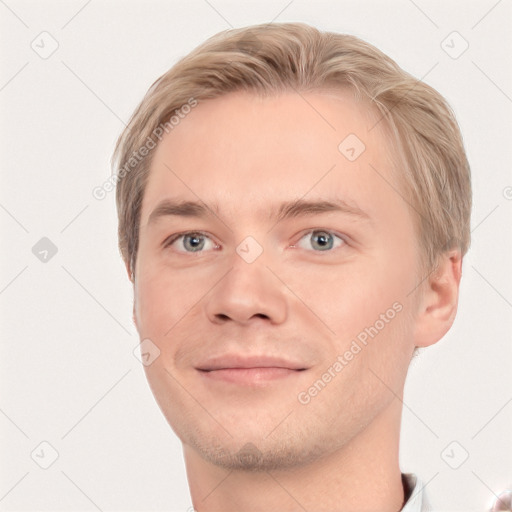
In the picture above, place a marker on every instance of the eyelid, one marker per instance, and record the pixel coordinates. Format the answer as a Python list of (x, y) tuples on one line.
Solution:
[(171, 239), (341, 236)]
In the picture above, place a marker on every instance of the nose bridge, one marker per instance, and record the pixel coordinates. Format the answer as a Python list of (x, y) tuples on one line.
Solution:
[(248, 290), (249, 260)]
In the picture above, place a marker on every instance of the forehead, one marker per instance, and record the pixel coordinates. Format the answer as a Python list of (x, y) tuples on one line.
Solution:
[(244, 152)]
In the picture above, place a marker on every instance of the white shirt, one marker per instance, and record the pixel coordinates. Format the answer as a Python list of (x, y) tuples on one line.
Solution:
[(417, 501)]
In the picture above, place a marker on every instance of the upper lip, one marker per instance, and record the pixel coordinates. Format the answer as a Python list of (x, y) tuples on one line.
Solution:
[(240, 361)]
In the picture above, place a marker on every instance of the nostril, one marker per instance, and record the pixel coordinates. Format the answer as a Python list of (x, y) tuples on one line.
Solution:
[(223, 316)]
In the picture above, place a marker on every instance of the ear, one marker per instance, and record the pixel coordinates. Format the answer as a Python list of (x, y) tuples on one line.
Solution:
[(129, 270), (438, 303), (131, 277), (134, 316)]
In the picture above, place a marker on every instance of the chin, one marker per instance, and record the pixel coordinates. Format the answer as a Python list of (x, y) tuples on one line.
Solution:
[(254, 453)]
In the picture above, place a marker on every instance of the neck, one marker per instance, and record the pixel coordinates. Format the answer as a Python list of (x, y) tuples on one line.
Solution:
[(363, 475)]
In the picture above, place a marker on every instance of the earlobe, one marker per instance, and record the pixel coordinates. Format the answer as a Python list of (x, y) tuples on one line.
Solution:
[(438, 305)]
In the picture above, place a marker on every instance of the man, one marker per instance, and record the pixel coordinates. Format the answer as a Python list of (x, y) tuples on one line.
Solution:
[(293, 212)]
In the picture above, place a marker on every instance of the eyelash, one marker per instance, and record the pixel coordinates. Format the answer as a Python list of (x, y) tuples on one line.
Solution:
[(169, 241)]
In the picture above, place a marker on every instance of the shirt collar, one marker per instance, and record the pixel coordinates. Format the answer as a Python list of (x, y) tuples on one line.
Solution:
[(417, 501)]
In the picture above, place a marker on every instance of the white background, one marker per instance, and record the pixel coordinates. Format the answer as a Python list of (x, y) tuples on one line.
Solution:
[(68, 374)]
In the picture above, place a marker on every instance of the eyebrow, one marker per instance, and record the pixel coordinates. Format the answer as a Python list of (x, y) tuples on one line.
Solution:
[(286, 210)]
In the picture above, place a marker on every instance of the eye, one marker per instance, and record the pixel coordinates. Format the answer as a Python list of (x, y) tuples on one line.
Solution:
[(191, 242), (321, 240)]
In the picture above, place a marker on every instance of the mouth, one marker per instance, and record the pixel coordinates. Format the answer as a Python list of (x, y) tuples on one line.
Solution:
[(249, 370), (250, 376)]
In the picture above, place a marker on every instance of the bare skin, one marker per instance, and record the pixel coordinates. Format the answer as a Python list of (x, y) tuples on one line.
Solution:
[(260, 439)]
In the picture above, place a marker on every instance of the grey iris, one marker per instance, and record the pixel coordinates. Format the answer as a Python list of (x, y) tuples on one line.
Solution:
[(196, 242), (322, 240)]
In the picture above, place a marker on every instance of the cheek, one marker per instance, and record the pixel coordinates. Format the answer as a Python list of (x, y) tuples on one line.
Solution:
[(168, 303), (346, 298), (157, 302), (364, 305), (148, 292)]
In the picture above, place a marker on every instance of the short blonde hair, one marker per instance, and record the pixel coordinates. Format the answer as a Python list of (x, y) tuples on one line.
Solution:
[(280, 57)]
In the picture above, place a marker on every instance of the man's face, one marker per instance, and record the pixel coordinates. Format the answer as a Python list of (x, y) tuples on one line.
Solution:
[(251, 310)]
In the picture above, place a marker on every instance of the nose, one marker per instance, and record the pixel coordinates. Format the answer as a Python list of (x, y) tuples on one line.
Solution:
[(248, 292)]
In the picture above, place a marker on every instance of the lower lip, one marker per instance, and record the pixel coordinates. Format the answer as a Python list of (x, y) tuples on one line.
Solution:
[(250, 376)]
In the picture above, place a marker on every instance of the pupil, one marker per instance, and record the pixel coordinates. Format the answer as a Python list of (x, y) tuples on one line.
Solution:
[(195, 242), (324, 240)]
